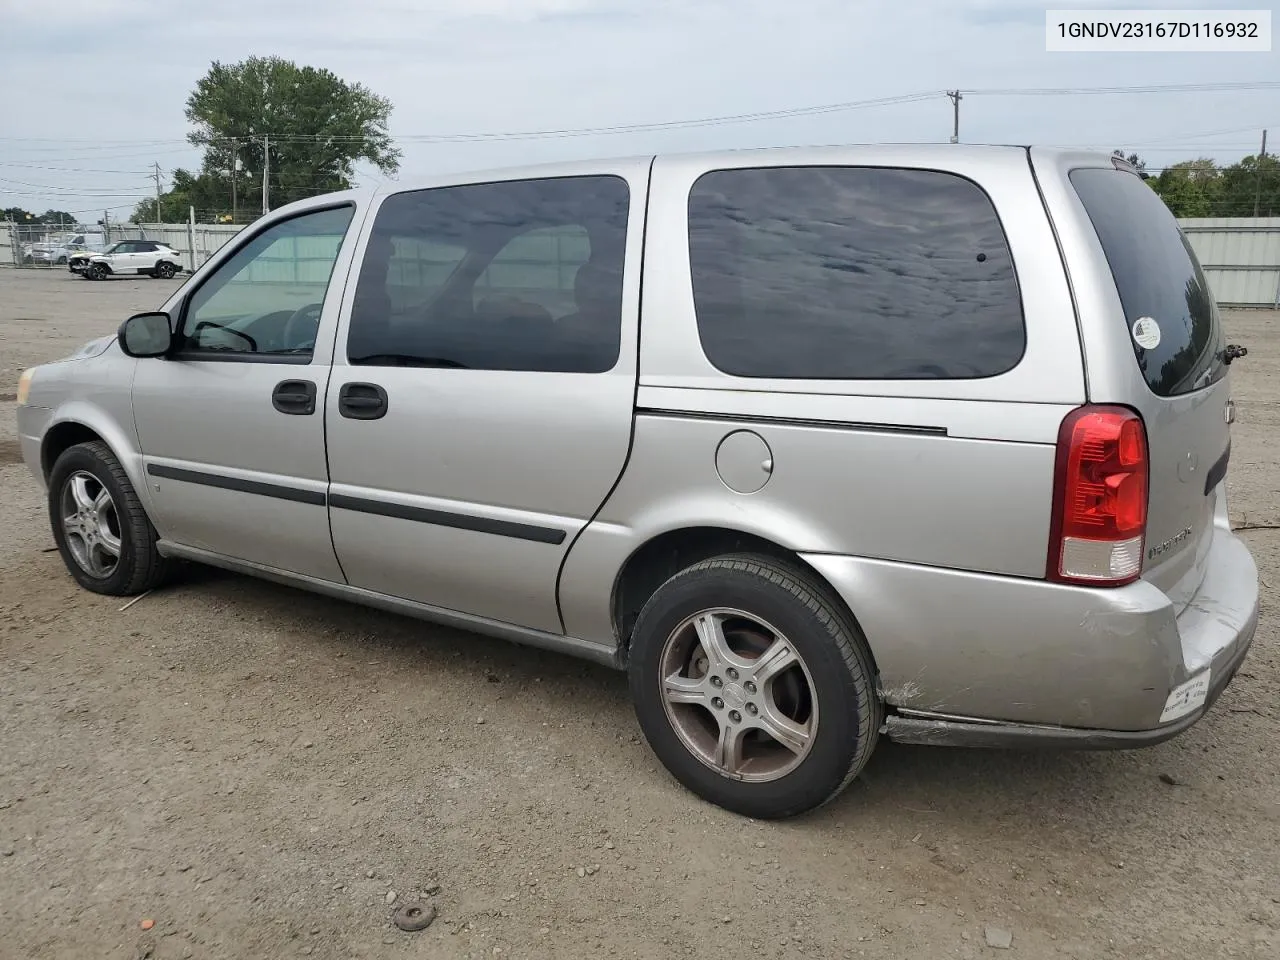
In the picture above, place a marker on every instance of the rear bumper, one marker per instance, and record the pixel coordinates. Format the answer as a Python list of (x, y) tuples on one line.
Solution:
[(968, 732), (996, 661)]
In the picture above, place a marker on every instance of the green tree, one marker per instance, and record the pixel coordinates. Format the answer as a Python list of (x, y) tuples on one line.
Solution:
[(1192, 188), (18, 215), (314, 125), (59, 218), (207, 192), (1251, 185)]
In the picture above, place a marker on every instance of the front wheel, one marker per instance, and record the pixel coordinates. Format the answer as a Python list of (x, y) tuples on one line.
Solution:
[(753, 686), (101, 530), (96, 271)]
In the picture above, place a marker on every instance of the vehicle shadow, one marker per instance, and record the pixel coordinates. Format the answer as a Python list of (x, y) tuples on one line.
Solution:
[(1078, 794)]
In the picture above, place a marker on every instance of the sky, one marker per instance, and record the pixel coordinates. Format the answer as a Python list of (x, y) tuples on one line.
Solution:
[(95, 90)]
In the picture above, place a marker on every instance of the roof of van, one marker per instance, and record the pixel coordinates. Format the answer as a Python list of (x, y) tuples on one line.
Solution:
[(842, 153)]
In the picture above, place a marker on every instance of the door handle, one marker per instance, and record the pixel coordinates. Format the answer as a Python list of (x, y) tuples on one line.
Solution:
[(297, 397), (362, 401)]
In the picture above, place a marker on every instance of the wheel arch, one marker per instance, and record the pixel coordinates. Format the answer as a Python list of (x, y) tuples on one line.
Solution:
[(79, 422), (665, 554)]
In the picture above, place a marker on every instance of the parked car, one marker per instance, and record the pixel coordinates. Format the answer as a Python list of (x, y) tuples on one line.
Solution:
[(59, 250), (133, 257), (819, 445)]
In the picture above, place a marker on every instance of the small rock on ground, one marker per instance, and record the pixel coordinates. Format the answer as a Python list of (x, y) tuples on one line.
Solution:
[(998, 939)]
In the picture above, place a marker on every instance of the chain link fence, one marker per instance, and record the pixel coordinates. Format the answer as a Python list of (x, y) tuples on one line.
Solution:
[(41, 246)]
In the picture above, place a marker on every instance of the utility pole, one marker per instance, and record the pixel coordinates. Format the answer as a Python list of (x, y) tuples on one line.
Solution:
[(235, 162), (156, 175), (955, 97), (1262, 159), (266, 172)]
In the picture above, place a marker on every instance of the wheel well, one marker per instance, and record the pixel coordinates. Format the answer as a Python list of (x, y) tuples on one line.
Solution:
[(61, 438), (666, 555)]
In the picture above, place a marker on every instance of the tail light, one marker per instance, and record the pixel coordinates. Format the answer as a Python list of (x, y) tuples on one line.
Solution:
[(1100, 498)]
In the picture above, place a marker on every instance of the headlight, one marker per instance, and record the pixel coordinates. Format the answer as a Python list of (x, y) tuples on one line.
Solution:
[(24, 386)]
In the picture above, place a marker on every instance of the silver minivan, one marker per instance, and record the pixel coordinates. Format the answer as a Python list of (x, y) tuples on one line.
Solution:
[(820, 445)]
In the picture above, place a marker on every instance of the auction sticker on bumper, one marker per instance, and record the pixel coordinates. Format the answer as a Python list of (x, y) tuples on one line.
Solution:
[(1186, 697)]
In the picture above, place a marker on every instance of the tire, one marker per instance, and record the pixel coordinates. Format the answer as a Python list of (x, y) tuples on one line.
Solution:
[(61, 261), (94, 470), (844, 714), (164, 270), (96, 271)]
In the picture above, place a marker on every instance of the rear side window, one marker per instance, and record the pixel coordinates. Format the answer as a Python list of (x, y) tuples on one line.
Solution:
[(512, 275), (852, 273), (1158, 278)]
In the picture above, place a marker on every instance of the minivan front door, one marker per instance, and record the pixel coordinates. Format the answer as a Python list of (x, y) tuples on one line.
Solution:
[(231, 424), (481, 401)]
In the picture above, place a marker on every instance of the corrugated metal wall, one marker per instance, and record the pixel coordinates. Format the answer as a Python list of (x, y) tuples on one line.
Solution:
[(1240, 256)]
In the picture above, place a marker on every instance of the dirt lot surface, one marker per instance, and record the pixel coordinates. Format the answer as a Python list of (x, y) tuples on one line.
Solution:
[(264, 773)]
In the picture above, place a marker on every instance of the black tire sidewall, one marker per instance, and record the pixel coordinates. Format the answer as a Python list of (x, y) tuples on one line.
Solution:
[(825, 769), (79, 458)]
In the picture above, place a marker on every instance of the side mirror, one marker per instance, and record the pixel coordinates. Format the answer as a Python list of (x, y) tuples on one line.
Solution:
[(145, 335)]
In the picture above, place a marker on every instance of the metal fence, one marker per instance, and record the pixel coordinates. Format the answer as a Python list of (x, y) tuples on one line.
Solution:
[(1241, 258), (48, 246)]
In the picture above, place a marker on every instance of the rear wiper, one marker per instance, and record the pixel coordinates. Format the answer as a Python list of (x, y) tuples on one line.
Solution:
[(1233, 352), (406, 360)]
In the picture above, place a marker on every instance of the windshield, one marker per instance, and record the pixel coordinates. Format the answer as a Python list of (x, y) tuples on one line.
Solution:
[(112, 249), (1168, 306)]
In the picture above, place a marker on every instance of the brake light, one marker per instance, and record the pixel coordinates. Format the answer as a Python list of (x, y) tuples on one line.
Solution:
[(1100, 498)]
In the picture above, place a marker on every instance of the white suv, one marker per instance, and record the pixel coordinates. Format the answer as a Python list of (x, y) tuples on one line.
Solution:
[(132, 257)]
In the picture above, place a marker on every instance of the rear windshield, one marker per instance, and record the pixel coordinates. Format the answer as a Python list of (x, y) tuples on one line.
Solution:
[(1166, 300)]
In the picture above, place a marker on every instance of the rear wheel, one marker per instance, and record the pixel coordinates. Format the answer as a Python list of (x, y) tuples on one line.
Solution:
[(753, 686), (101, 530), (164, 270)]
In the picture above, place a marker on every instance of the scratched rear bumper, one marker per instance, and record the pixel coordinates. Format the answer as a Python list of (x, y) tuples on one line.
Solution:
[(969, 732), (998, 661)]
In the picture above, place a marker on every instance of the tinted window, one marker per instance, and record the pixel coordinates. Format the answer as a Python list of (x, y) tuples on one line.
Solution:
[(145, 248), (266, 297), (1158, 277), (851, 273), (520, 275)]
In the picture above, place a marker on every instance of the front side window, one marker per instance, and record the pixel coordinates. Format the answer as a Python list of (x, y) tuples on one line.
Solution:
[(266, 298), (852, 273), (515, 275)]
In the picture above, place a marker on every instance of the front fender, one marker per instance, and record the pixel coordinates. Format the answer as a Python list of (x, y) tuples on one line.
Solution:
[(122, 440)]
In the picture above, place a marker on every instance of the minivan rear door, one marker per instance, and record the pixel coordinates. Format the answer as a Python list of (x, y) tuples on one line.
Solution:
[(1153, 341)]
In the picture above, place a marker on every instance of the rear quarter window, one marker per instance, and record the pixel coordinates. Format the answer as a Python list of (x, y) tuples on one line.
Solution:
[(852, 273), (1158, 277)]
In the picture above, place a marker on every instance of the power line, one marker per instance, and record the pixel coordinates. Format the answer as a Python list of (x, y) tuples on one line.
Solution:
[(1151, 88), (788, 113)]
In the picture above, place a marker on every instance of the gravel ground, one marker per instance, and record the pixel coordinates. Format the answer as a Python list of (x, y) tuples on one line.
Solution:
[(257, 772)]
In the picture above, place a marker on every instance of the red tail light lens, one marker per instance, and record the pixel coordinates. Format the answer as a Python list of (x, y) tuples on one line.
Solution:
[(1100, 498)]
